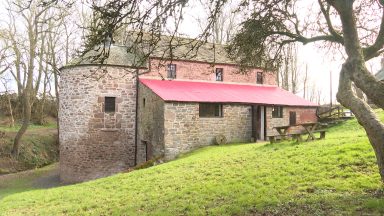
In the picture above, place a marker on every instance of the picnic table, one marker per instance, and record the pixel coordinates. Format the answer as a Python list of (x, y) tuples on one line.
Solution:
[(309, 127)]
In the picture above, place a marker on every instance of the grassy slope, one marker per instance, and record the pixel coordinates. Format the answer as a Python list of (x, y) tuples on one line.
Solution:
[(337, 175)]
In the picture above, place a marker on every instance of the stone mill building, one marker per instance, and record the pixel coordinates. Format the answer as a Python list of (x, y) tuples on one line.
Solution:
[(118, 114)]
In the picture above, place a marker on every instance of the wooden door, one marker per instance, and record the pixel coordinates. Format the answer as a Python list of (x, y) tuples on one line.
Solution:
[(258, 126), (292, 118), (148, 150), (255, 123)]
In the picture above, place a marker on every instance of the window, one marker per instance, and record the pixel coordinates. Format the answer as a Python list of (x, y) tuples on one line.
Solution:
[(259, 78), (143, 102), (171, 74), (110, 104), (277, 112), (219, 74), (210, 110)]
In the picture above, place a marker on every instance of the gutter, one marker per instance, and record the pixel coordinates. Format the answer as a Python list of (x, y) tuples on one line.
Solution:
[(136, 113)]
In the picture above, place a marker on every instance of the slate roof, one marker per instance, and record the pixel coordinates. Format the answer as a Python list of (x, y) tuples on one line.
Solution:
[(186, 49), (182, 49), (214, 92), (118, 55)]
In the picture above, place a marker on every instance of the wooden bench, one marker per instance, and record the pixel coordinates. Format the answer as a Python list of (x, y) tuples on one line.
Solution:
[(273, 138), (322, 133), (298, 137), (295, 136)]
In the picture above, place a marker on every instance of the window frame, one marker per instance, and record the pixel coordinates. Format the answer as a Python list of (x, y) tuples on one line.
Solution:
[(259, 78), (279, 113), (109, 104), (171, 74), (219, 70), (206, 114)]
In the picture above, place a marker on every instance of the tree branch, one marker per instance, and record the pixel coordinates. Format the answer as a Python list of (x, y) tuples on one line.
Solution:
[(305, 40), (371, 51), (331, 29)]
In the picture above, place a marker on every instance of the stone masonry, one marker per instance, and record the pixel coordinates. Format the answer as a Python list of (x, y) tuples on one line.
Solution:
[(185, 130), (192, 70), (151, 125), (93, 143), (303, 115)]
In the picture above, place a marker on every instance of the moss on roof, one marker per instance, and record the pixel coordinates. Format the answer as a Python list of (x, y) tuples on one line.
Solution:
[(118, 55), (165, 47), (191, 49)]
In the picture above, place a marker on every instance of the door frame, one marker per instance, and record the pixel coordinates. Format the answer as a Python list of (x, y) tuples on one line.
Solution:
[(258, 122)]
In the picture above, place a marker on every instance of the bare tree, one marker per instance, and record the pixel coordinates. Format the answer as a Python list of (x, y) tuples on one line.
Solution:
[(289, 73), (5, 82), (273, 28), (305, 82), (225, 25), (31, 49)]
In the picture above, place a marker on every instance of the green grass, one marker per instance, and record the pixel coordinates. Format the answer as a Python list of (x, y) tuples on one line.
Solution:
[(31, 127), (335, 176)]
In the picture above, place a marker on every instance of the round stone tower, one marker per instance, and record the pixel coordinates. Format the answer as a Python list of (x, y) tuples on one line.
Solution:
[(97, 117)]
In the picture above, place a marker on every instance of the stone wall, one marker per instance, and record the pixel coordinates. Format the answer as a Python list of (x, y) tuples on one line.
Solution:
[(185, 130), (93, 143), (192, 70), (151, 124), (303, 115)]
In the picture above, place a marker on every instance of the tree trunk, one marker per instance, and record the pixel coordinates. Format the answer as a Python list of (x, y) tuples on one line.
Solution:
[(353, 69), (25, 125), (365, 116), (42, 115), (12, 124)]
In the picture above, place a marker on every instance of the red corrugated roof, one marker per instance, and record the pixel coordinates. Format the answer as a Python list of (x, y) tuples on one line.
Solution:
[(194, 91)]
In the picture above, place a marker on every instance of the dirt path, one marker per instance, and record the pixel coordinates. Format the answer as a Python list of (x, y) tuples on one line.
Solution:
[(46, 177), (48, 180)]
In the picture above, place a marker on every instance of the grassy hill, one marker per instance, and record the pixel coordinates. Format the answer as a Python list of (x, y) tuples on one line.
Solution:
[(335, 176)]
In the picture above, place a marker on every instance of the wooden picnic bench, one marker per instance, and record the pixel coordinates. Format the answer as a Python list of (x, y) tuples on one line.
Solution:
[(274, 138), (322, 133), (309, 130)]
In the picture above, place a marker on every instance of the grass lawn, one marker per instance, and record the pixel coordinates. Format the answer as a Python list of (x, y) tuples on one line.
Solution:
[(50, 125), (335, 176)]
